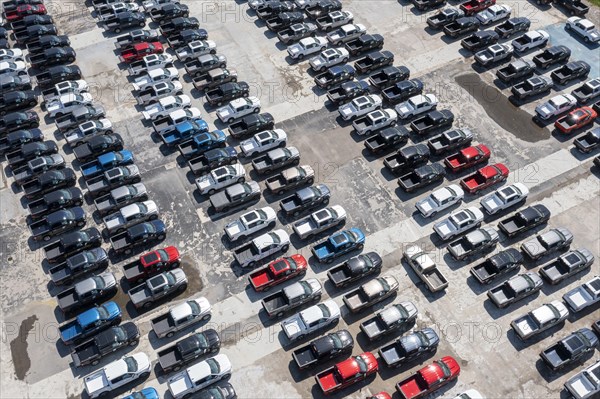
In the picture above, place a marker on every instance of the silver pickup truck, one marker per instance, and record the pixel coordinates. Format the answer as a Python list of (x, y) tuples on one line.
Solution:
[(181, 316), (158, 287), (540, 319), (320, 221)]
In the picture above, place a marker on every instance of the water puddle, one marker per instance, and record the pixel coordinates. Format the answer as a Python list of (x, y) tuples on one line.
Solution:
[(18, 348), (497, 106)]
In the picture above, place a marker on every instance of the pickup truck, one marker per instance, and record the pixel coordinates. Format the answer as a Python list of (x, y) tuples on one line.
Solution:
[(180, 317), (250, 223), (373, 61), (485, 177), (575, 7), (305, 199), (276, 159), (278, 271), (425, 268), (409, 347), (268, 9), (583, 296), (149, 63), (226, 92), (85, 131), (47, 41), (585, 384), (49, 181), (348, 91), (248, 255), (497, 265), (338, 245), (355, 269), (397, 316), (516, 70), (57, 222), (188, 349), (129, 215), (570, 349), (37, 166), (195, 49), (297, 32), (479, 40), (116, 374), (156, 91), (187, 130), (374, 121), (512, 26), (137, 36), (57, 74), (66, 87), (433, 120), (19, 120), (371, 293), (113, 178), (151, 264), (79, 115), (16, 139), (72, 243), (421, 177), (494, 54), (476, 241), (200, 375), (587, 91), (290, 178), (567, 265), (30, 151), (32, 34), (524, 220), (406, 158), (557, 239), (124, 20), (291, 297), (388, 76), (251, 124), (429, 379), (52, 56), (530, 40), (236, 195), (364, 43), (284, 20), (386, 139), (347, 372), (152, 77), (450, 140), (90, 322), (201, 143), (472, 7), (105, 162), (532, 87), (119, 197), (105, 343), (332, 345), (168, 122), (136, 235), (109, 11), (423, 5), (200, 66), (91, 290), (570, 71), (78, 265), (178, 25), (446, 16), (334, 19), (516, 288), (540, 319), (440, 200), (319, 221), (168, 11), (335, 76), (139, 50), (318, 9), (263, 141), (467, 157), (214, 78), (461, 26), (53, 201), (182, 37), (552, 55), (576, 119), (158, 287)]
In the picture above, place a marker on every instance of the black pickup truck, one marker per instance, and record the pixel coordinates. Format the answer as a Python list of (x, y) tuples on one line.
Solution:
[(373, 61), (552, 55), (30, 151), (402, 91), (19, 120), (348, 91), (516, 70), (125, 20), (78, 265), (97, 146), (388, 76), (355, 269), (108, 341), (497, 265), (421, 177), (304, 199), (48, 41), (513, 26), (52, 56), (55, 200), (72, 243), (407, 157), (570, 349), (137, 36), (461, 27), (524, 220), (49, 181), (14, 140), (139, 234), (186, 36), (339, 343), (227, 92), (37, 166), (189, 349), (178, 25), (57, 74), (251, 124), (57, 222), (479, 40), (433, 120), (364, 43), (386, 139), (33, 33), (575, 7), (531, 88), (168, 11)]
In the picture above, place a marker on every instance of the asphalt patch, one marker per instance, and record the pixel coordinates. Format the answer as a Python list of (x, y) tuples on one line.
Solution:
[(497, 106), (18, 348)]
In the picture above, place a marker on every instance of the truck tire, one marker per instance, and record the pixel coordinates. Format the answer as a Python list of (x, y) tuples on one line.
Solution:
[(104, 394), (147, 305), (279, 314), (95, 362), (285, 248), (161, 237), (134, 342), (206, 317), (360, 246), (170, 334), (145, 375), (299, 337), (117, 30)]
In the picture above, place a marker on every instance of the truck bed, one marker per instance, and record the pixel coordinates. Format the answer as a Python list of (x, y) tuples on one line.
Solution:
[(274, 302), (555, 355), (409, 388), (304, 356), (162, 324), (555, 270), (67, 299), (133, 270), (339, 274), (85, 352), (372, 327), (59, 272), (168, 357), (393, 353), (435, 280), (245, 252)]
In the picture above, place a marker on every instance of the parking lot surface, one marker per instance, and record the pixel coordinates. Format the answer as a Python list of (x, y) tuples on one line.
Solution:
[(493, 360)]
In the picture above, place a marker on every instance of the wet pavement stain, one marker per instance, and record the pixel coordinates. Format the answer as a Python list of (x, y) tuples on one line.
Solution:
[(18, 348), (497, 106)]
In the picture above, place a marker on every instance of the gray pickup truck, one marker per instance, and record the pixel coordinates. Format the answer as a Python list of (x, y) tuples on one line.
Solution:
[(112, 178), (181, 316), (276, 159), (570, 349), (158, 287), (292, 296), (371, 293), (567, 265), (393, 318), (515, 289)]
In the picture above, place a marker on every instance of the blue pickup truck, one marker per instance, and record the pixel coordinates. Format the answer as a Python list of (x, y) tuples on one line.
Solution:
[(183, 131), (105, 162), (202, 142), (339, 244), (146, 393), (90, 322)]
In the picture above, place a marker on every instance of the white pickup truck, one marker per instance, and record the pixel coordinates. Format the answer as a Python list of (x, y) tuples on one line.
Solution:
[(181, 316), (251, 222), (116, 374), (586, 384), (425, 268), (261, 247), (319, 221)]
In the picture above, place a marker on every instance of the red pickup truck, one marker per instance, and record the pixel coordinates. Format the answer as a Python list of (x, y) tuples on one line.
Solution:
[(151, 264), (278, 271), (24, 10), (429, 378), (576, 119), (467, 157), (140, 50), (474, 6), (484, 178), (347, 372)]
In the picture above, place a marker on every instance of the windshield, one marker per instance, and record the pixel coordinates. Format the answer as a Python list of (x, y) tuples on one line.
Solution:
[(362, 366), (120, 333), (194, 306), (170, 278), (131, 364), (103, 312), (99, 282), (214, 366)]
